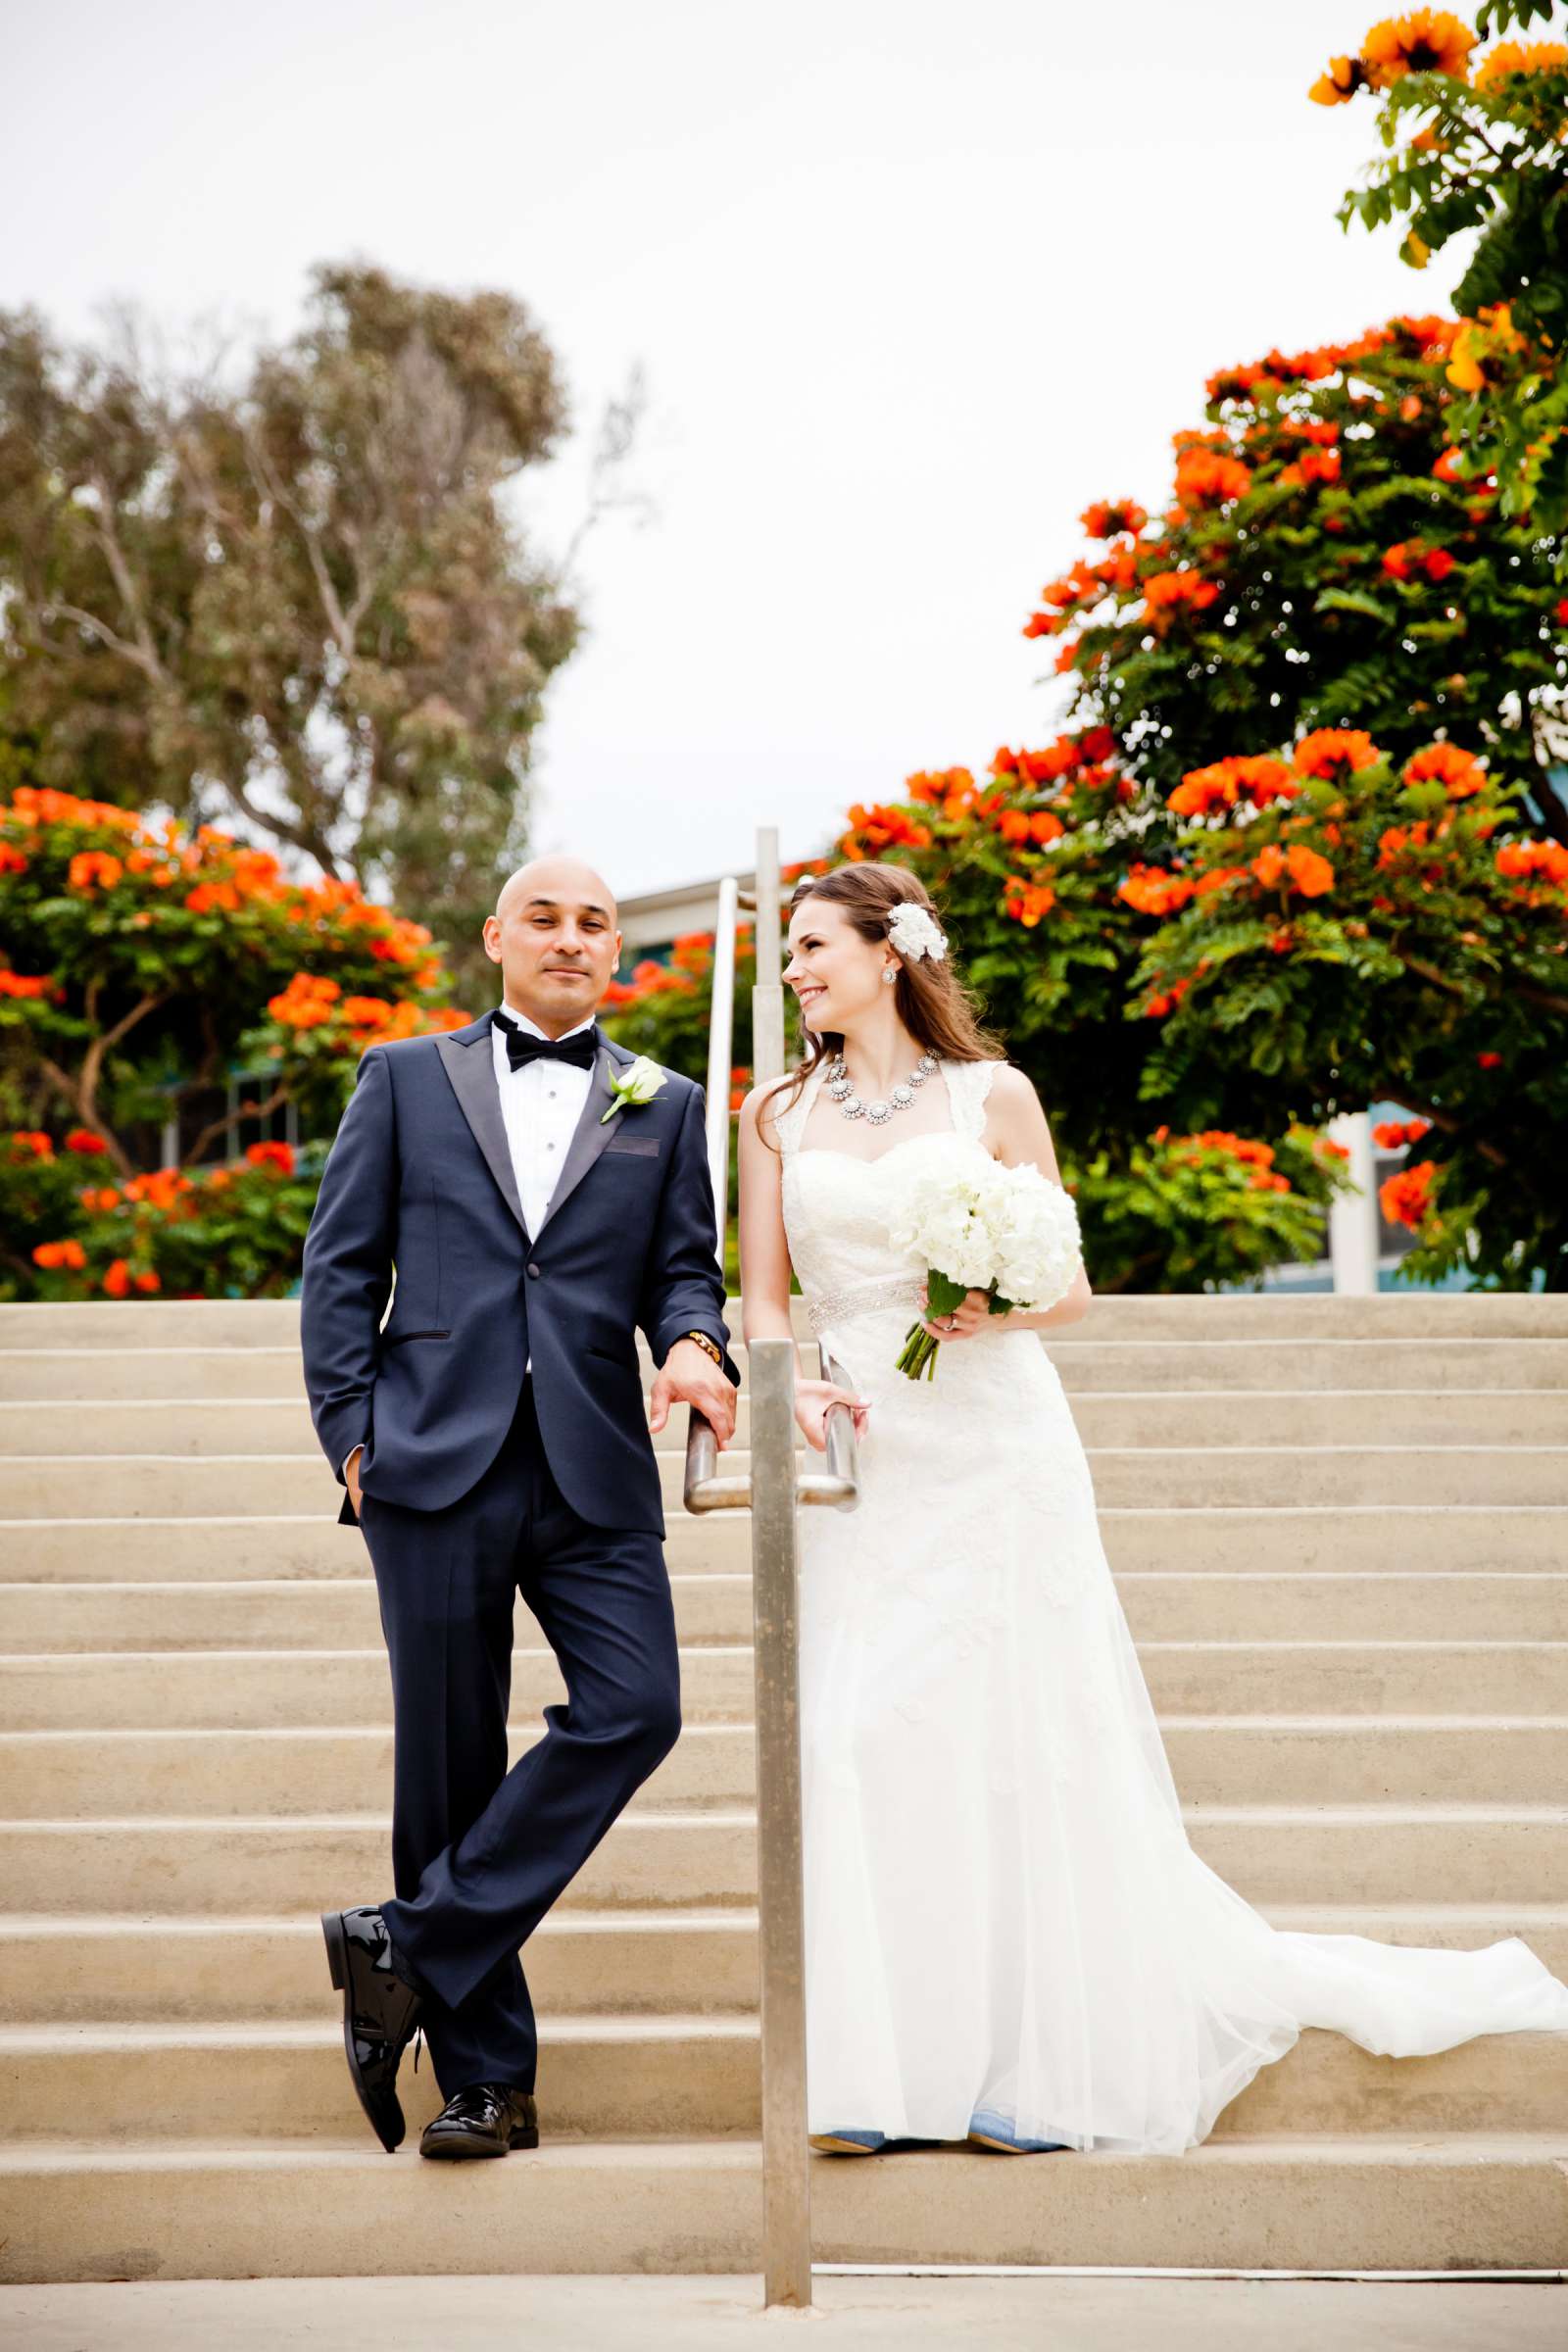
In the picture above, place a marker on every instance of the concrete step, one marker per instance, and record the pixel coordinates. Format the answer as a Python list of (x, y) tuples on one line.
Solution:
[(205, 1323), (258, 1688), (271, 1864), (1196, 1418), (1360, 1854), (1314, 1538), (72, 1775), (1174, 1367), (137, 1969), (1170, 1366), (668, 2076), (261, 1688), (1404, 1606), (322, 2209), (340, 1613), (674, 2076), (136, 1486), (1270, 1759)]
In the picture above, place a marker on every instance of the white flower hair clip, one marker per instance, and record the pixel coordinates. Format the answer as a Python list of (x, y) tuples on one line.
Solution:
[(914, 932)]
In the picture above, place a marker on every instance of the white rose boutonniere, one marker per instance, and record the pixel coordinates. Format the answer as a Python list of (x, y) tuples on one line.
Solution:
[(638, 1083)]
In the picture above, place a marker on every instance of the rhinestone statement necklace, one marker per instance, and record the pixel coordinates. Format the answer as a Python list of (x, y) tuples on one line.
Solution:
[(849, 1102)]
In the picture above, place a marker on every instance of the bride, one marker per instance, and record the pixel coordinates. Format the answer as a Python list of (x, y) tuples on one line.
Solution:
[(1010, 1939)]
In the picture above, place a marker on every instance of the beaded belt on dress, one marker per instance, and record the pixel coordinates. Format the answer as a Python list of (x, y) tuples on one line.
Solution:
[(835, 1307)]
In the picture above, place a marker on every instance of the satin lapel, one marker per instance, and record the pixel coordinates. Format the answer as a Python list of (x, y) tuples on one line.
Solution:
[(591, 1131), (470, 1064)]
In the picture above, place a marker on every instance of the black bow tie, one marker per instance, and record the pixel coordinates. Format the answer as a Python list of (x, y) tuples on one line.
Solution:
[(523, 1046)]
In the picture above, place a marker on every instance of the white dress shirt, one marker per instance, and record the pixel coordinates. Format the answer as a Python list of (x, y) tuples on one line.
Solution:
[(540, 1105)]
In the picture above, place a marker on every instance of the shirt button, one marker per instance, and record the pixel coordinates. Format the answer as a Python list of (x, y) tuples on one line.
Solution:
[(534, 1271), (549, 1147)]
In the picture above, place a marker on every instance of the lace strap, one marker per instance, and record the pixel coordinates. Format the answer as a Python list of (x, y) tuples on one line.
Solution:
[(969, 1085), (789, 1117)]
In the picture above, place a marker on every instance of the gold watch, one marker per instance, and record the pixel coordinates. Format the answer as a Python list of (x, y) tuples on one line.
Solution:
[(704, 1341)]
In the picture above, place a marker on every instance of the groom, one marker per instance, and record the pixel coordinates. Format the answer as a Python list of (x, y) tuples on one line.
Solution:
[(492, 1440)]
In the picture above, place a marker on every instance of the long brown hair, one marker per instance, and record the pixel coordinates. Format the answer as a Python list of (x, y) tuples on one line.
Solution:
[(940, 1011)]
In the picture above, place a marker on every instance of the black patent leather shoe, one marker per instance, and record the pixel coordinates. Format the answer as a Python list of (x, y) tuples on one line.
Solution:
[(487, 2119), (381, 2012)]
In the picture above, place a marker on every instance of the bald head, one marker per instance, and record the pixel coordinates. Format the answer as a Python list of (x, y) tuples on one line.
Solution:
[(555, 936), (558, 880)]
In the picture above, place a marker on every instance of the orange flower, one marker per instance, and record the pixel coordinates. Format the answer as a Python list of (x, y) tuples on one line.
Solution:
[(1395, 1134), (89, 866), (12, 860), (1532, 861), (1204, 476), (25, 1140), (1027, 902), (117, 1281), (1328, 749), (1429, 40), (1482, 347), (147, 1279), (1406, 1196), (1166, 593), (364, 1013), (13, 984), (1109, 516), (39, 805), (1227, 781), (272, 1155), (1150, 890), (1311, 873), (85, 1141), (217, 1179), (1345, 76), (1488, 1061), (1519, 57), (60, 1254), (210, 898), (99, 1196), (1459, 772), (306, 1002), (878, 828)]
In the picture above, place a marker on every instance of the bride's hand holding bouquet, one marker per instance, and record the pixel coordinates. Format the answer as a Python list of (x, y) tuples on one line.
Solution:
[(996, 1240)]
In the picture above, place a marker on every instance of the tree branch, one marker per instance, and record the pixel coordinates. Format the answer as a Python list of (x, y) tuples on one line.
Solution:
[(235, 1119)]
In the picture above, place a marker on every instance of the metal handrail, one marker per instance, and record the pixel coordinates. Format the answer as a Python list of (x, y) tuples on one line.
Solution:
[(707, 1488), (773, 1490)]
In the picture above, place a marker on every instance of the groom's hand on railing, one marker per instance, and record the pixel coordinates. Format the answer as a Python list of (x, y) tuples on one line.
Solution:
[(689, 1375), (812, 1402)]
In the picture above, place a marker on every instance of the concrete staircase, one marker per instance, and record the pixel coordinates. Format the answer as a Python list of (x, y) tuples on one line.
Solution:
[(1341, 1532)]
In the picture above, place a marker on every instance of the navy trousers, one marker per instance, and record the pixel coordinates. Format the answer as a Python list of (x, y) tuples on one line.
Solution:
[(479, 1853)]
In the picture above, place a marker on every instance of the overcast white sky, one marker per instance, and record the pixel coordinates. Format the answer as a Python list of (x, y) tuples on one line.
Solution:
[(910, 284)]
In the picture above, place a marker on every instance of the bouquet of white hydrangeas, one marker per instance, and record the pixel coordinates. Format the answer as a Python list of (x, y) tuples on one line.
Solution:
[(984, 1227)]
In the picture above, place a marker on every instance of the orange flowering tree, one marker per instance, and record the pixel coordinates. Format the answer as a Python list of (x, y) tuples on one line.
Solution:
[(1475, 147), (1336, 926), (1327, 560), (137, 961), (1300, 844)]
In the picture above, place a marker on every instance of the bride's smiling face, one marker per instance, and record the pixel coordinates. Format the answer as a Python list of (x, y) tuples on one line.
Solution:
[(835, 973)]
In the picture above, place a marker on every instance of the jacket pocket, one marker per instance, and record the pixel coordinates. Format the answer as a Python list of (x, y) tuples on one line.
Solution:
[(645, 1147), (404, 1336)]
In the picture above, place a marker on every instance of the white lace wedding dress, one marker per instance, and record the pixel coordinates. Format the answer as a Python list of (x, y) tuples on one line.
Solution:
[(1003, 1910)]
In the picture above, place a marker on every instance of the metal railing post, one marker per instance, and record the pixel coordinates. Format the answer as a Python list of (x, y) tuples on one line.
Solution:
[(721, 1053), (786, 2153), (774, 1490), (768, 994)]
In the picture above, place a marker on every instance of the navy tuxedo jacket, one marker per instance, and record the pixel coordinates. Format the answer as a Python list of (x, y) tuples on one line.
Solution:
[(420, 1179)]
